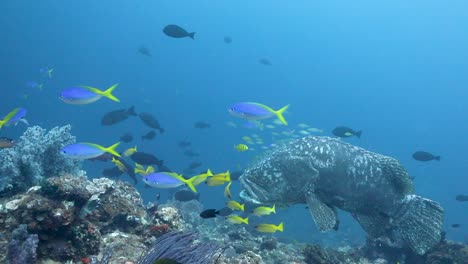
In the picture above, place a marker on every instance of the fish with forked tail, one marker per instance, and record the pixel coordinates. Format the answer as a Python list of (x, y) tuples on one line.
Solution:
[(327, 173)]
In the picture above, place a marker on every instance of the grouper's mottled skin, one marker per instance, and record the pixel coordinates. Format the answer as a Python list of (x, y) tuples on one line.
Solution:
[(328, 173)]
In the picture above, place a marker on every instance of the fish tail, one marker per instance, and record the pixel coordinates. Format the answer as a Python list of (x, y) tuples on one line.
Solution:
[(358, 134), (111, 149), (419, 222), (8, 117), (273, 209), (437, 158), (242, 207), (131, 111), (192, 35), (108, 93), (209, 173), (245, 220), (280, 116), (280, 227), (190, 184)]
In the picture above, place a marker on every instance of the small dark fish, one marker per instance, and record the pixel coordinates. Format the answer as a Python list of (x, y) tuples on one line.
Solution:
[(148, 136), (455, 225), (201, 125), (265, 61), (184, 144), (235, 175), (103, 157), (128, 137), (6, 142), (117, 116), (158, 196), (145, 159), (194, 165), (175, 31), (424, 156), (112, 172), (186, 195), (462, 198), (150, 121), (191, 153), (144, 51), (345, 132), (225, 211), (227, 40), (209, 213)]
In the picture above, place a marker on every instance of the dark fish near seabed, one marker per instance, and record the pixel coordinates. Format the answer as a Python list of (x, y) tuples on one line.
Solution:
[(112, 172), (128, 137), (327, 173), (265, 61), (150, 121), (461, 198), (425, 156), (144, 51), (209, 213), (184, 144), (117, 116), (148, 136), (175, 31), (201, 125), (345, 132), (146, 159), (186, 195), (6, 142), (227, 40)]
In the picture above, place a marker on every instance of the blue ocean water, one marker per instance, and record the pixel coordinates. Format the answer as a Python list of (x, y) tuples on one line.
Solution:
[(394, 69)]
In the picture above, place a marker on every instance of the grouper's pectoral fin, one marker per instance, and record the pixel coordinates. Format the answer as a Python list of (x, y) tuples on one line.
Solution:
[(325, 217)]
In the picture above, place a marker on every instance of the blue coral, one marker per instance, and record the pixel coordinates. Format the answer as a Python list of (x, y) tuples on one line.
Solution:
[(22, 247), (35, 157)]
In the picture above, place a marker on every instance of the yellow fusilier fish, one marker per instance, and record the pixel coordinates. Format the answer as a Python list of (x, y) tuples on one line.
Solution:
[(130, 151), (235, 219), (241, 147), (119, 164), (219, 179), (269, 228), (9, 116), (264, 210), (233, 205), (202, 177), (139, 169), (227, 191)]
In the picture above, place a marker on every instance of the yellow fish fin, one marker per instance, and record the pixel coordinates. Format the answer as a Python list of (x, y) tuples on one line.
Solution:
[(8, 117), (188, 182), (273, 209), (280, 116), (107, 93), (281, 227), (110, 149)]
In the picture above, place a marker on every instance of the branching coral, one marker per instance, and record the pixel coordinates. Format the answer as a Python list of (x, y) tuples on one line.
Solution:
[(36, 156)]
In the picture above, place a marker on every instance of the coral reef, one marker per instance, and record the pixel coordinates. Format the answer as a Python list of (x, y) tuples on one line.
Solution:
[(22, 247), (35, 157)]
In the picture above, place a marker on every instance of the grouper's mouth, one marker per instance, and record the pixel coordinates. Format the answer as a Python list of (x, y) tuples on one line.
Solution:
[(252, 192)]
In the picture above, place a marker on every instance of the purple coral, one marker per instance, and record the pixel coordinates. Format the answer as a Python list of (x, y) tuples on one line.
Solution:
[(180, 247), (22, 247), (35, 157)]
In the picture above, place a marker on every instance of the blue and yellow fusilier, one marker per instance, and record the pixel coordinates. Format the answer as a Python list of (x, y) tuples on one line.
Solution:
[(256, 111), (86, 94), (168, 180), (88, 150)]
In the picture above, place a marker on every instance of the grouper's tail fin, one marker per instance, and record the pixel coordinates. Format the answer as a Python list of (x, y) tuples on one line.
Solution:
[(419, 222)]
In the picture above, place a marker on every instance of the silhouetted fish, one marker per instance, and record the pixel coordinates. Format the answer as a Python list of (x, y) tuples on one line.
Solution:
[(144, 51), (462, 198), (117, 116), (145, 159), (201, 125), (227, 40), (235, 175), (424, 156), (175, 31), (150, 121), (148, 136), (455, 225), (191, 153), (186, 195), (209, 213), (184, 144), (345, 132), (128, 137), (112, 172), (265, 61)]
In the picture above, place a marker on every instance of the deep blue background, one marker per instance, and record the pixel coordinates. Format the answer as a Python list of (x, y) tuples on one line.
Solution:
[(395, 69)]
